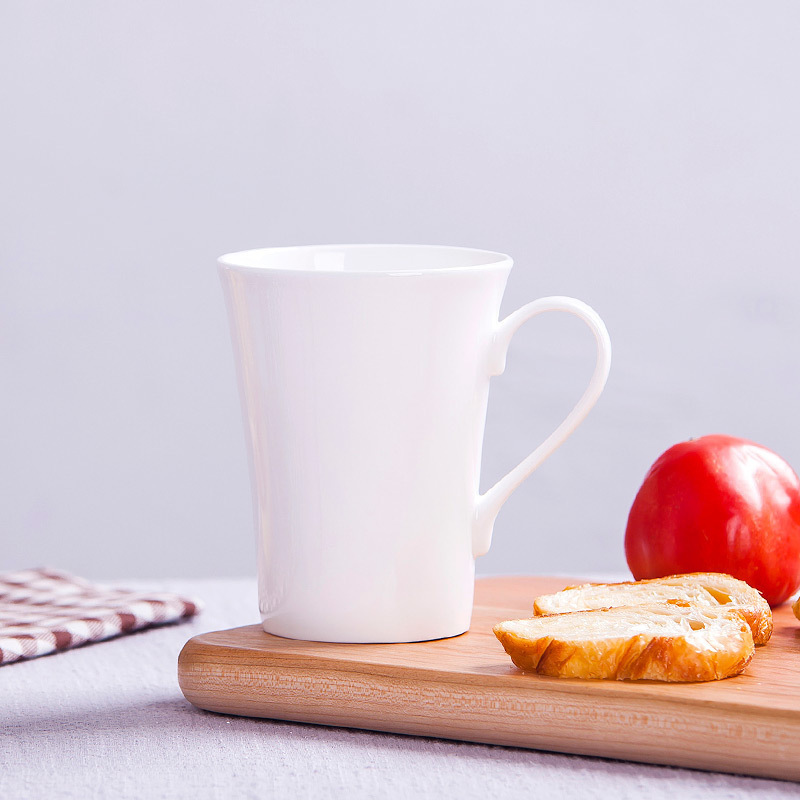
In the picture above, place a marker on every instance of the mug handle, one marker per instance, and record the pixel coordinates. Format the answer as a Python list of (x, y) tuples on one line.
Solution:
[(488, 505)]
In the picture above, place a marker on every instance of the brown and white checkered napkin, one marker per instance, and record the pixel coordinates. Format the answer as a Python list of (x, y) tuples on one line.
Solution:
[(45, 610)]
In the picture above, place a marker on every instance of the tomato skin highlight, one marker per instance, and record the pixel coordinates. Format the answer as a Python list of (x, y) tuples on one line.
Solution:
[(718, 504)]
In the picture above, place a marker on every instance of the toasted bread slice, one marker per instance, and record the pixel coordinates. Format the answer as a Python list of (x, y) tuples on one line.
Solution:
[(656, 642), (708, 589), (796, 608)]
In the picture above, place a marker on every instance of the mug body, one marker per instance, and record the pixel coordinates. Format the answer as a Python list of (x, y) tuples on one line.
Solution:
[(364, 380)]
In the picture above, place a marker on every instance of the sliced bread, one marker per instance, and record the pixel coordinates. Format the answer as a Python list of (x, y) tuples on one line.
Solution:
[(657, 642), (706, 589)]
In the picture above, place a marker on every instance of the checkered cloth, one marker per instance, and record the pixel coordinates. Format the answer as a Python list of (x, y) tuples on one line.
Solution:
[(45, 610)]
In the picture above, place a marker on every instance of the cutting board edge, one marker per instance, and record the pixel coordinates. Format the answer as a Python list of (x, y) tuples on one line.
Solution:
[(388, 694)]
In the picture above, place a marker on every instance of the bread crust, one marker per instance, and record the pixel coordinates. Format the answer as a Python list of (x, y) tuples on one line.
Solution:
[(713, 589), (722, 648), (796, 608)]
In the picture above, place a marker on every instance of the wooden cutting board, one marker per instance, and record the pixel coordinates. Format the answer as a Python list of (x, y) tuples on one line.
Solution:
[(466, 688)]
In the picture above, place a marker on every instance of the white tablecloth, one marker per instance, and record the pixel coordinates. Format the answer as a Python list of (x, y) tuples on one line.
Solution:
[(109, 720)]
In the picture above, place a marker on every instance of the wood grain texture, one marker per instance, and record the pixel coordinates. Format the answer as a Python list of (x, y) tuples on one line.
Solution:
[(466, 688)]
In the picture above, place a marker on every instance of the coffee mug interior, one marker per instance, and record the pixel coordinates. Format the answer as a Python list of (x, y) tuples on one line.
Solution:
[(365, 258)]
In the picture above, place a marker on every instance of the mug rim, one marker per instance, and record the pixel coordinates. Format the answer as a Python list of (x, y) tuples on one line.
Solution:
[(488, 259)]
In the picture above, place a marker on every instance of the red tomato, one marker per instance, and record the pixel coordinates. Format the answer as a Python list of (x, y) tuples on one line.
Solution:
[(719, 504)]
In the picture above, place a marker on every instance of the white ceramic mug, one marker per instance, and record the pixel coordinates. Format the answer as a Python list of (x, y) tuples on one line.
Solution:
[(364, 375)]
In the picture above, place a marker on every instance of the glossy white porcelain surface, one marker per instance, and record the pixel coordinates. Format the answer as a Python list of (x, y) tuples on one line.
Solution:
[(364, 376)]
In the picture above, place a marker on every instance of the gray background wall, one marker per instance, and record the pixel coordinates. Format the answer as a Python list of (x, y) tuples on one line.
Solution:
[(640, 156)]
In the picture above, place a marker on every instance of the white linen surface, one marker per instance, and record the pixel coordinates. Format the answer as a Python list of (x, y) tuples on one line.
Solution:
[(109, 720)]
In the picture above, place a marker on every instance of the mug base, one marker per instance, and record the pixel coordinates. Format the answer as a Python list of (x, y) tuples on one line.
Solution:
[(353, 637)]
